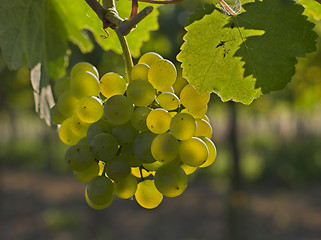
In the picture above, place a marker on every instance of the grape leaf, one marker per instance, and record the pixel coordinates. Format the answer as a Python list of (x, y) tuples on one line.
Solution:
[(242, 57), (312, 8)]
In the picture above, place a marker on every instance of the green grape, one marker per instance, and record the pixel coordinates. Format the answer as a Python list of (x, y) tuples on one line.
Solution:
[(112, 84), (138, 119), (203, 129), (61, 85), (149, 58), (101, 126), (84, 84), (142, 147), (179, 84), (95, 206), (141, 92), (158, 120), (88, 174), (140, 174), (118, 168), (79, 157), (170, 180), (67, 103), (79, 127), (66, 135), (162, 74), (191, 99), (193, 152), (147, 194), (56, 116), (183, 126), (165, 147), (84, 66), (125, 134), (118, 109), (152, 166), (126, 188), (100, 191), (211, 152), (196, 113), (140, 71), (104, 146), (168, 101), (90, 109), (188, 169), (128, 153)]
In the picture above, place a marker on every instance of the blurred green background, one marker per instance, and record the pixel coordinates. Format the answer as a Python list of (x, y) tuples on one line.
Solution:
[(264, 184)]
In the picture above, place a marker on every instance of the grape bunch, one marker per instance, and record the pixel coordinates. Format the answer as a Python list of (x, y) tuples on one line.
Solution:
[(135, 140)]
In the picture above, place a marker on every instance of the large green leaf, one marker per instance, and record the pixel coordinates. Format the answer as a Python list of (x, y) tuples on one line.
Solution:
[(255, 52)]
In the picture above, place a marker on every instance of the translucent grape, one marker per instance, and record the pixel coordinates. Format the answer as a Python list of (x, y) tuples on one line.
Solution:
[(188, 169), (139, 116), (193, 152), (170, 180), (147, 194), (88, 174), (104, 146), (183, 126), (203, 128), (79, 127), (165, 147), (95, 206), (84, 66), (112, 84), (211, 152), (84, 84), (67, 103), (100, 191), (56, 116), (141, 92), (158, 120), (142, 147), (61, 85), (79, 157), (140, 71), (162, 74), (179, 84), (101, 126), (168, 101), (125, 134), (126, 187), (118, 168), (149, 58), (66, 135), (90, 109), (191, 99), (118, 109)]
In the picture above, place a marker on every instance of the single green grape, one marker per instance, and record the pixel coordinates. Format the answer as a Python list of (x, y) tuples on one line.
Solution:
[(125, 134), (142, 147), (141, 92), (179, 84), (90, 109), (84, 66), (88, 174), (66, 135), (126, 188), (112, 84), (203, 128), (168, 101), (100, 191), (162, 74), (104, 146), (192, 99), (140, 71), (211, 152), (193, 152), (79, 127), (84, 84), (56, 116), (79, 157), (165, 147), (149, 58), (118, 109), (170, 180), (96, 206), (101, 126), (61, 85), (158, 120), (147, 195), (67, 103), (138, 119), (118, 168), (183, 126)]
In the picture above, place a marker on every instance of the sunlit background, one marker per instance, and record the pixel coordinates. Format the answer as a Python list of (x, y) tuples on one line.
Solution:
[(264, 184)]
